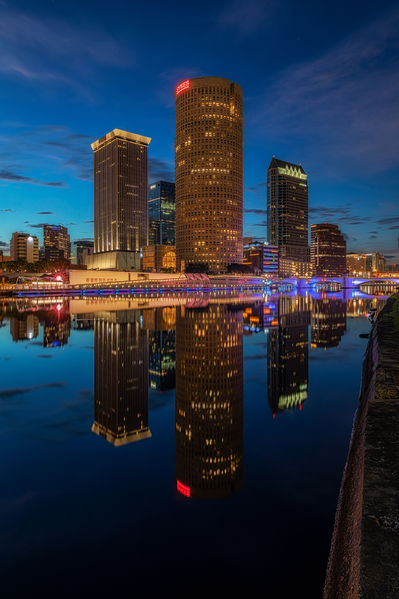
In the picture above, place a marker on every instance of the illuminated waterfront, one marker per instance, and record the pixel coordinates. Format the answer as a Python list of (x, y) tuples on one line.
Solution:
[(122, 422)]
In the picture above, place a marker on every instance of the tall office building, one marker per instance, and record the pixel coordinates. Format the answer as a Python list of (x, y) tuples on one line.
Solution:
[(161, 323), (287, 354), (327, 250), (120, 200), (287, 213), (378, 262), (24, 247), (161, 213), (25, 326), (209, 401), (120, 378), (209, 194), (56, 243)]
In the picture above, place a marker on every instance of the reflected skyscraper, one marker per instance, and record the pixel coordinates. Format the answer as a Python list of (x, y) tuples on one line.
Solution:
[(56, 327), (161, 323), (120, 378), (209, 401), (287, 354), (328, 322), (26, 326)]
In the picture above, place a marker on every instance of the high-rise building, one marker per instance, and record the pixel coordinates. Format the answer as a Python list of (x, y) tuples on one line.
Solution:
[(120, 378), (120, 200), (261, 257), (161, 213), (287, 212), (83, 248), (56, 243), (209, 401), (24, 247), (356, 264), (161, 323), (327, 250), (378, 263), (209, 193)]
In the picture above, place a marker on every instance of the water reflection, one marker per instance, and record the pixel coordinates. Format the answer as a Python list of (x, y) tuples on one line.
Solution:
[(209, 401), (287, 354), (328, 322), (120, 377), (24, 326)]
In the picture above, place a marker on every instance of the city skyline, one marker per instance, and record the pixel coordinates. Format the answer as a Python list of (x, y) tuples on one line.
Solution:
[(49, 177)]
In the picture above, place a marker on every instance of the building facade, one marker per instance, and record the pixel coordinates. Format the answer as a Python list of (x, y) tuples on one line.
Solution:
[(120, 200), (24, 247), (56, 243), (161, 213), (159, 258), (261, 257), (83, 248), (327, 250), (287, 210), (209, 193)]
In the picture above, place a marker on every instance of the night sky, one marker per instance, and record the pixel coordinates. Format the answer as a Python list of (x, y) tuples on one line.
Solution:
[(320, 82)]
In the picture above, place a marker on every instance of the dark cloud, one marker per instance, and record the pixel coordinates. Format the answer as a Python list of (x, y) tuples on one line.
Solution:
[(255, 188), (88, 221), (45, 212), (7, 393), (373, 237), (37, 225), (254, 211), (44, 356), (394, 228), (262, 224), (256, 357), (160, 170), (7, 210), (354, 220), (388, 221), (326, 212), (3, 244), (6, 175)]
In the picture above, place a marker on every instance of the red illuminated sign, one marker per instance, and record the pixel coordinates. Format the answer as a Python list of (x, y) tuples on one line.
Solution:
[(182, 86), (186, 491)]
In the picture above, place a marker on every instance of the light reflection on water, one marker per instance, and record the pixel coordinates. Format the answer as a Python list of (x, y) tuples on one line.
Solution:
[(120, 425)]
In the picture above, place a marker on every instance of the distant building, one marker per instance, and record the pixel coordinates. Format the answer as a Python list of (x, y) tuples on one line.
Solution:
[(120, 200), (56, 243), (209, 192), (83, 248), (356, 264), (24, 247), (327, 250), (159, 258), (287, 213), (289, 267), (4, 258), (261, 257), (161, 213), (378, 263)]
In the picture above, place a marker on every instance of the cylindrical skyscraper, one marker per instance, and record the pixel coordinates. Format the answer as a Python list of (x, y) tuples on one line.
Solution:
[(209, 195)]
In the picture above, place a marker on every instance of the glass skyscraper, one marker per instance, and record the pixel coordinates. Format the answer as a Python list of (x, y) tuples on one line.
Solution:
[(161, 213)]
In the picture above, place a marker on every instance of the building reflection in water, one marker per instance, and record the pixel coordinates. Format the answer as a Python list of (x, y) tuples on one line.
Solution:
[(23, 327), (328, 322), (287, 354), (120, 377), (209, 401), (161, 323), (56, 326)]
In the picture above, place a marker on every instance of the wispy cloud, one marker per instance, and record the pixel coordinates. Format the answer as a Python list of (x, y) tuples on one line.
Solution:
[(343, 106), (160, 170), (39, 48), (45, 212), (254, 211), (8, 393), (15, 178)]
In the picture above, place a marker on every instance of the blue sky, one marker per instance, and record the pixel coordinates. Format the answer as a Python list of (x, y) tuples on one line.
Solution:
[(320, 82)]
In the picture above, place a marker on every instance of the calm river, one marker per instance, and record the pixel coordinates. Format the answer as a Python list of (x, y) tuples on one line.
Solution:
[(189, 450)]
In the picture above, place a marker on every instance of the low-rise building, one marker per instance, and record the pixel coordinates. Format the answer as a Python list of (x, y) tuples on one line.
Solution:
[(159, 258), (24, 247), (261, 257)]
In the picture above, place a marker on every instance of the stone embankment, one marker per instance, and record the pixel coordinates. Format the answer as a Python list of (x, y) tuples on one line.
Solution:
[(364, 557)]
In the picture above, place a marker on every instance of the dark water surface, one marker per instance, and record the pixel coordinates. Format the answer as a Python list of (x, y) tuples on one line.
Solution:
[(190, 450)]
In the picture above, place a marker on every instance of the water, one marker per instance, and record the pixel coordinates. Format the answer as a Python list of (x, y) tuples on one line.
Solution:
[(177, 450)]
